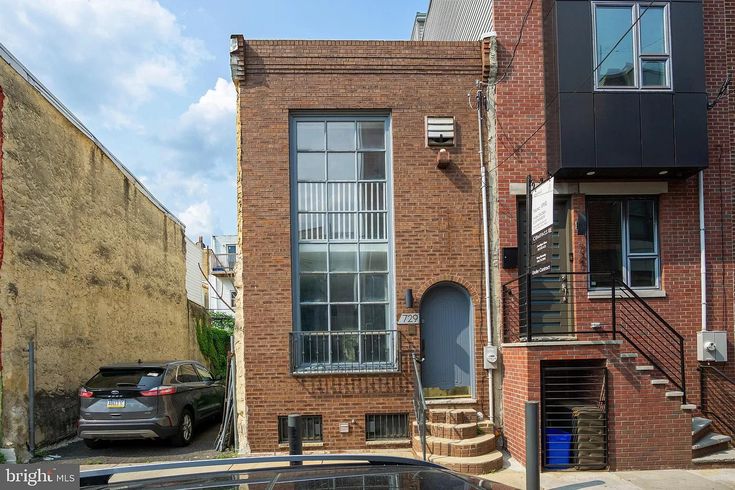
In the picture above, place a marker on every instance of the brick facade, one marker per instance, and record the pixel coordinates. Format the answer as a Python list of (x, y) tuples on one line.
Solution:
[(521, 109), (436, 213)]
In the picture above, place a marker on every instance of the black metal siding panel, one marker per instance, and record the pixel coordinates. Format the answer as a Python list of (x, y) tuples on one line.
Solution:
[(690, 119), (577, 120), (687, 47), (657, 129), (617, 129), (575, 50)]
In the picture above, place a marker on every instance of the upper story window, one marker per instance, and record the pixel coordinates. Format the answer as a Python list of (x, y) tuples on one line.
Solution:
[(342, 267), (632, 58), (623, 239)]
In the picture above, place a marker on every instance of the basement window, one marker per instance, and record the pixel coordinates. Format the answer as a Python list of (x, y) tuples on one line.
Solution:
[(386, 426), (311, 428)]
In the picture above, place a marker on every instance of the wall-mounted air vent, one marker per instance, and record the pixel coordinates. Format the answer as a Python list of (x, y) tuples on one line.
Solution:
[(439, 131)]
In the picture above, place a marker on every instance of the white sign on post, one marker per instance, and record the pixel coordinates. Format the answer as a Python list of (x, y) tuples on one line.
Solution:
[(542, 224), (542, 206)]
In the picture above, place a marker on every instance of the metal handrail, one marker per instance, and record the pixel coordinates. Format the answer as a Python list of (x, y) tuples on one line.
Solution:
[(324, 352), (720, 414), (419, 402), (633, 318)]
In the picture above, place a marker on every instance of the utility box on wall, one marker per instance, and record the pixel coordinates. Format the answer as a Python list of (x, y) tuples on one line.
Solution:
[(712, 346)]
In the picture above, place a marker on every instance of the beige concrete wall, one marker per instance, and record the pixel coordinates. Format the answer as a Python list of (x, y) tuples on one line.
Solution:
[(92, 269)]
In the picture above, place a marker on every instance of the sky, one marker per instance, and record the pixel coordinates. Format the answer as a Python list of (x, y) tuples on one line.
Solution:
[(151, 79)]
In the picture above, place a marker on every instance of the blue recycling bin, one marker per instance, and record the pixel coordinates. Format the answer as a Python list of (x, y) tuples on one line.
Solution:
[(558, 448)]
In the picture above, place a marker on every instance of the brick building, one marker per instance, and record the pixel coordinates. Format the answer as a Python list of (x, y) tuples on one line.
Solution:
[(361, 204)]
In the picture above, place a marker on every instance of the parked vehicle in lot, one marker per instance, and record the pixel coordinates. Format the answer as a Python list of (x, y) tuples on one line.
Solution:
[(333, 471), (148, 400)]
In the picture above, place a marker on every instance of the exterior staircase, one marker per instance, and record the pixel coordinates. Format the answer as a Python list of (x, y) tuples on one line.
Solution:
[(708, 446), (657, 378), (457, 440)]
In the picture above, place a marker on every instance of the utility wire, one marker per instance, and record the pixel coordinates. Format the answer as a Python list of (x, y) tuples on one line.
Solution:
[(215, 289), (506, 70), (556, 96)]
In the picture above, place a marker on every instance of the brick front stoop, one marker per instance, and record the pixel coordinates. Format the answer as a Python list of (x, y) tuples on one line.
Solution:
[(457, 440)]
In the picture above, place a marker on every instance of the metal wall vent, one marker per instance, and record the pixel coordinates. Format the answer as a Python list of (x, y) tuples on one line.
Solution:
[(439, 131)]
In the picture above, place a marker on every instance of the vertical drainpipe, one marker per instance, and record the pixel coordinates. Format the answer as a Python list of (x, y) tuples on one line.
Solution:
[(491, 225), (702, 250)]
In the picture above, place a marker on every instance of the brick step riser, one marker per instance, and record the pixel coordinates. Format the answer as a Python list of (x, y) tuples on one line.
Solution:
[(452, 418), (706, 451), (454, 433), (439, 449)]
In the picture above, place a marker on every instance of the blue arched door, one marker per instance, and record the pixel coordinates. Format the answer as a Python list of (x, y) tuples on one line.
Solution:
[(446, 339)]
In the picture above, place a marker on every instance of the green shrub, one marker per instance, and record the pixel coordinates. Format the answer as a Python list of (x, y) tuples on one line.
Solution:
[(214, 343)]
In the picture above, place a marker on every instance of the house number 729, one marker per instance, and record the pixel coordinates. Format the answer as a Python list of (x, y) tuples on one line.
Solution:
[(408, 318)]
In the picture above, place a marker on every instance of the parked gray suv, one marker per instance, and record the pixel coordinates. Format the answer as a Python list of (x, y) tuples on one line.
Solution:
[(148, 400)]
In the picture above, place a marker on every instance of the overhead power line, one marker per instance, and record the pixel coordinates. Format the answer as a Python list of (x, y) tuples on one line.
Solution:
[(520, 147)]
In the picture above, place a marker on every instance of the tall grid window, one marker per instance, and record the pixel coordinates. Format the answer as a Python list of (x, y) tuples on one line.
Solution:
[(342, 238)]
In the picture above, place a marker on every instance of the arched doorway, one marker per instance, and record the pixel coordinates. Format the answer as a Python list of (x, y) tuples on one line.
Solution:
[(446, 341)]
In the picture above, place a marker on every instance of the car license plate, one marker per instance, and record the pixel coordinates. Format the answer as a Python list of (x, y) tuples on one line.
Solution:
[(115, 403)]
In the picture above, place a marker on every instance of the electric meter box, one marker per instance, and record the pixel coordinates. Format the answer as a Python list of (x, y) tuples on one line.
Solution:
[(712, 346)]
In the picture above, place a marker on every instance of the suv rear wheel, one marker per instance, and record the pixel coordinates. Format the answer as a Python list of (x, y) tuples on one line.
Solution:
[(95, 443), (185, 433)]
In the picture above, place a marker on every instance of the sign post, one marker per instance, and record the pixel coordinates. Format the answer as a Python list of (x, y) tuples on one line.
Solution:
[(539, 227)]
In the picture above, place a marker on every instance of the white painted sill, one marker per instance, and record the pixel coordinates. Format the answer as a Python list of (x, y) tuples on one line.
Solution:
[(388, 442), (643, 293), (305, 445)]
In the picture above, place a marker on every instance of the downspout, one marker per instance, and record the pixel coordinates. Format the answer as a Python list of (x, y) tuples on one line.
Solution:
[(480, 100), (702, 250)]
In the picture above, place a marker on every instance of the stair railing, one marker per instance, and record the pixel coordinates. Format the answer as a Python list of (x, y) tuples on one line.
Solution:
[(717, 398), (561, 309), (652, 336), (419, 402)]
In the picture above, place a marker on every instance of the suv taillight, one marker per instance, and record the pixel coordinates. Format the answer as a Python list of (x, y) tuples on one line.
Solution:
[(159, 391), (85, 393)]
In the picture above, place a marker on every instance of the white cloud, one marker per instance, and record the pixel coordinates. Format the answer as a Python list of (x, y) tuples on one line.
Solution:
[(198, 219), (119, 53), (203, 140)]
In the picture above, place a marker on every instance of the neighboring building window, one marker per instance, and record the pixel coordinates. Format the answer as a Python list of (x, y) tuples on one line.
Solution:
[(231, 256), (386, 426), (623, 239), (632, 58), (233, 296), (311, 428), (342, 227)]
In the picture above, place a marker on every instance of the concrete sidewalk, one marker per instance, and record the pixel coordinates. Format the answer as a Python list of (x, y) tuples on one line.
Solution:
[(714, 479)]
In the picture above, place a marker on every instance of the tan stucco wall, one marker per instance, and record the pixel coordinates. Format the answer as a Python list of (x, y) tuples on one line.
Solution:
[(92, 269)]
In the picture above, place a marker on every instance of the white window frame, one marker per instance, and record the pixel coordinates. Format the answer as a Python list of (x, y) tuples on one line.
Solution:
[(636, 10), (625, 246), (390, 229)]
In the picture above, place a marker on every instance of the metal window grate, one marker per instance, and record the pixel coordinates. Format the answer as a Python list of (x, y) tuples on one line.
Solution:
[(386, 426), (311, 428), (574, 418)]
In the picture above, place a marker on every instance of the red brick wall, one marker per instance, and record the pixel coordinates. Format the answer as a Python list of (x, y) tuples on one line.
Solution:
[(436, 213), (646, 430), (520, 105)]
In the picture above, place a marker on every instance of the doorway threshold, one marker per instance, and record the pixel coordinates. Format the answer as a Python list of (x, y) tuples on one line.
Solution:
[(451, 401)]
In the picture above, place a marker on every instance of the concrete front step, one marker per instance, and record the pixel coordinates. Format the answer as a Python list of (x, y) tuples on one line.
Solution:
[(709, 444), (644, 367), (700, 428), (674, 394), (476, 465), (452, 415), (724, 458), (629, 355), (475, 446), (449, 431), (662, 381)]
